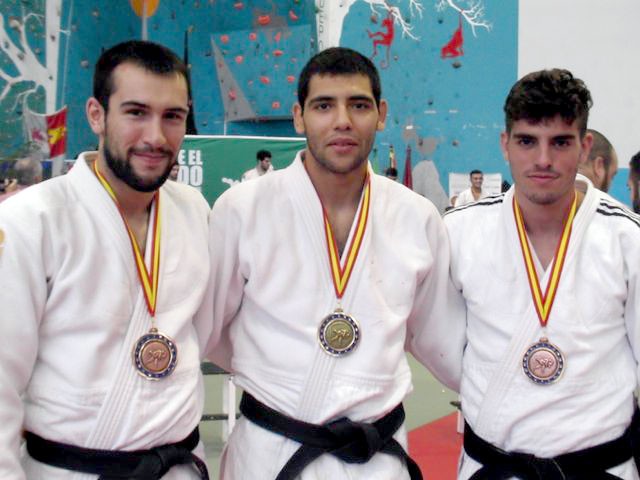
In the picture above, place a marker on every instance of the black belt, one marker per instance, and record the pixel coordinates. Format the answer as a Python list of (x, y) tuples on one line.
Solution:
[(351, 442), (588, 464), (149, 464)]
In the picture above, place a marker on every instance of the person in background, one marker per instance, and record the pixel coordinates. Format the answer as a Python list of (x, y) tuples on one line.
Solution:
[(633, 182), (263, 165), (474, 192), (175, 170), (391, 173), (102, 273), (602, 163), (28, 171)]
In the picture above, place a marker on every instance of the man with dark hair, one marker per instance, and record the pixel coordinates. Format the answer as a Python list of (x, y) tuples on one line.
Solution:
[(551, 285), (351, 269), (391, 173), (102, 272), (602, 163), (28, 171), (634, 182), (474, 192), (263, 165)]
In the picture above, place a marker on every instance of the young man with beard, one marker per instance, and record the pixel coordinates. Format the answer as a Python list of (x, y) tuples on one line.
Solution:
[(102, 272), (551, 280), (351, 270)]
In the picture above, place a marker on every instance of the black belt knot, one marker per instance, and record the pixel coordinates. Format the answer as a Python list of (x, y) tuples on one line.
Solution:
[(358, 441), (351, 442)]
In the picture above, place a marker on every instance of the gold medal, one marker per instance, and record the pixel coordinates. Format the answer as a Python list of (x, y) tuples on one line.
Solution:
[(155, 355), (339, 333), (543, 362)]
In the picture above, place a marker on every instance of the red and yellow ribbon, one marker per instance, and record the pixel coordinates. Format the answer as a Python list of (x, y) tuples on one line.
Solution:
[(339, 274), (543, 303), (148, 280)]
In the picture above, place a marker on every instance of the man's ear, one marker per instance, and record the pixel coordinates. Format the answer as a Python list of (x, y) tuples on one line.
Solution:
[(382, 114), (298, 122), (95, 116), (504, 139), (599, 169)]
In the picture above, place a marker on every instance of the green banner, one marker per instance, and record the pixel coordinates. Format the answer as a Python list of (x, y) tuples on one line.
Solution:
[(212, 164)]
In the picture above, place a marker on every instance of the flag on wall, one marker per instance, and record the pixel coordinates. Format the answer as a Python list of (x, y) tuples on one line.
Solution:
[(57, 132), (407, 179), (48, 132), (35, 129)]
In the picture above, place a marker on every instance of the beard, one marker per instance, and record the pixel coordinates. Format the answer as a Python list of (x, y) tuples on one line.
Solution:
[(334, 167), (122, 169)]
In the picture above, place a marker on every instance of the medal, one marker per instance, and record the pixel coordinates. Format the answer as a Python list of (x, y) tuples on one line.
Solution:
[(543, 362), (339, 333), (155, 355)]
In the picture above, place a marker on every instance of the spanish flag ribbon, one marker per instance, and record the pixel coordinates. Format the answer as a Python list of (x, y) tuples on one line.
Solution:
[(543, 303), (148, 279), (340, 274)]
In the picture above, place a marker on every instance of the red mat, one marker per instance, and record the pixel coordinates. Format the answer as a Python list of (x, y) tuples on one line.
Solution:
[(436, 447)]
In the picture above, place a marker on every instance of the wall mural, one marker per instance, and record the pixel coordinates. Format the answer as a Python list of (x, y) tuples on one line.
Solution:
[(459, 59), (457, 56)]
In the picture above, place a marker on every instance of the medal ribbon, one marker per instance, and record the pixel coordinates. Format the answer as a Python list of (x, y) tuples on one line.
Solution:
[(148, 280), (543, 303), (339, 274)]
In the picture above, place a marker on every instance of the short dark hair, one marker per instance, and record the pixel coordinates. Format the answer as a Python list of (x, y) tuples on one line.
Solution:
[(634, 167), (391, 172), (28, 171), (338, 61), (544, 94), (153, 57), (474, 172), (262, 154)]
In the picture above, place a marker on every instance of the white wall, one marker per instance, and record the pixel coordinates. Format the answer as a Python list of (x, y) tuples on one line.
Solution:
[(599, 42)]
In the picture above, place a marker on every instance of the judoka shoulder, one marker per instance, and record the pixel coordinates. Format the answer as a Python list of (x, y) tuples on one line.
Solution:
[(492, 203), (616, 212), (186, 195), (401, 202), (39, 200), (245, 195)]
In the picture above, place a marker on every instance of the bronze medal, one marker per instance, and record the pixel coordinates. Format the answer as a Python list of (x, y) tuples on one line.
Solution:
[(155, 355), (543, 362), (339, 333)]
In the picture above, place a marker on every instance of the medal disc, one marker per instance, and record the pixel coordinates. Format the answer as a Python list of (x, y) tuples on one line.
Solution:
[(543, 362), (155, 355), (338, 334)]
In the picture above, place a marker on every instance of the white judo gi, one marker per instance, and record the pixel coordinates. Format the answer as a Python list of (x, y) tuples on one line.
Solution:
[(273, 287), (594, 322), (72, 309), (466, 196)]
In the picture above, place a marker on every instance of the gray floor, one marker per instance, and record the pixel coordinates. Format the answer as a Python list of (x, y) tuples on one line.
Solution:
[(429, 401)]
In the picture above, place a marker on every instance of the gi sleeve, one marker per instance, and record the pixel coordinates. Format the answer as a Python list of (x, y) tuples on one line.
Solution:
[(437, 323), (23, 293), (227, 282)]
